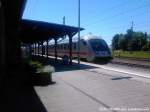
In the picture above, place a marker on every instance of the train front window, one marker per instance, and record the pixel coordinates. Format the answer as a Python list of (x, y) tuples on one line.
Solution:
[(84, 42), (98, 45)]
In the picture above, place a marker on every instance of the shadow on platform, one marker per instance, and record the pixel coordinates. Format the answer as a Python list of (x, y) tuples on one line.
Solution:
[(121, 78), (60, 67), (19, 95)]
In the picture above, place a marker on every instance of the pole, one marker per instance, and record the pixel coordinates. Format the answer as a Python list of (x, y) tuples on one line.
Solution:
[(2, 46), (55, 49), (78, 31), (42, 49), (2, 37), (38, 48), (47, 48), (132, 25), (64, 20), (64, 23), (70, 48)]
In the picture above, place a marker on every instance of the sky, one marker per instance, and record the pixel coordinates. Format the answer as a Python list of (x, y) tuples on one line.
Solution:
[(103, 18)]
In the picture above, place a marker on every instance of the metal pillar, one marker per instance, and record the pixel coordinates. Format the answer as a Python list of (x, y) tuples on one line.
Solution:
[(55, 49), (79, 31), (70, 48), (30, 49), (2, 45), (2, 36), (47, 48), (42, 48), (35, 48), (38, 48)]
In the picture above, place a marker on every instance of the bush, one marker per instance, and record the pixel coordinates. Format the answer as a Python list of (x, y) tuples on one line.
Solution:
[(42, 75), (37, 66), (146, 48)]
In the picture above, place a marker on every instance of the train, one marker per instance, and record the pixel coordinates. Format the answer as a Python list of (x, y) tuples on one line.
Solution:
[(92, 48)]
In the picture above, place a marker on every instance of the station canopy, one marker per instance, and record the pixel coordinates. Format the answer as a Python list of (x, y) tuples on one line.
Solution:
[(32, 31)]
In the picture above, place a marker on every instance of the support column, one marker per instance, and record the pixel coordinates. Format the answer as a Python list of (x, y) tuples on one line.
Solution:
[(2, 45), (30, 49), (47, 48), (35, 49), (38, 48), (70, 49), (55, 49), (42, 48)]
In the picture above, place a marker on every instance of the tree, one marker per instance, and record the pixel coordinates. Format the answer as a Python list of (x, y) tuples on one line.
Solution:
[(115, 42), (128, 38), (146, 47), (131, 41), (122, 42), (141, 39)]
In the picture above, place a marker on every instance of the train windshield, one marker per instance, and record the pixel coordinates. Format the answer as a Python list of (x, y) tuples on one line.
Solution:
[(98, 45)]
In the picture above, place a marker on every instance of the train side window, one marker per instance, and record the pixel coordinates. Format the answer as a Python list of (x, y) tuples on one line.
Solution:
[(58, 46), (68, 46), (65, 46), (74, 46), (62, 46)]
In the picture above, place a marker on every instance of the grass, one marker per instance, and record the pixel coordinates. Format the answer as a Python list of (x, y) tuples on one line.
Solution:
[(132, 54)]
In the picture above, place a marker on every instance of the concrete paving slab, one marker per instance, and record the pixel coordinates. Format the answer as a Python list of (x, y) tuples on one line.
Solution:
[(82, 90)]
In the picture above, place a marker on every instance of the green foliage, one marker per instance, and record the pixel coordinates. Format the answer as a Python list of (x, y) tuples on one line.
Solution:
[(131, 41), (146, 47), (122, 42), (115, 42), (132, 54), (37, 66)]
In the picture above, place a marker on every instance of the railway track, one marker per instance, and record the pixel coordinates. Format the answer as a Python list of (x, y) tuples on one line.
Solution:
[(144, 63)]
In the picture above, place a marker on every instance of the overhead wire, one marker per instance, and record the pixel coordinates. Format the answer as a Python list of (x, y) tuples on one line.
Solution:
[(119, 14), (110, 23), (111, 8)]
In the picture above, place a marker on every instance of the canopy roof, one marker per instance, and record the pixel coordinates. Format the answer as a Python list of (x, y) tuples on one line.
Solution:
[(33, 31)]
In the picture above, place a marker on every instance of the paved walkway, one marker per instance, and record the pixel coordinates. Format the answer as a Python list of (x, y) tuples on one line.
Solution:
[(86, 91)]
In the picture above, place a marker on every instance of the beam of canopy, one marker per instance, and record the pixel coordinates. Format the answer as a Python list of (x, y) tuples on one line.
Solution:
[(34, 31)]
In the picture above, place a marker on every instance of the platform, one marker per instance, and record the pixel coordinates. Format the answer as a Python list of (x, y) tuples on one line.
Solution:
[(94, 89)]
